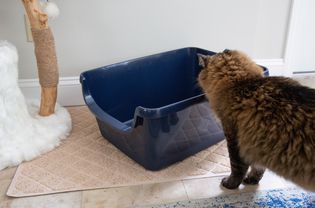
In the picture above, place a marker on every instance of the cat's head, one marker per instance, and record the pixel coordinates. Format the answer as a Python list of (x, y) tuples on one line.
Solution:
[(8, 64), (228, 66)]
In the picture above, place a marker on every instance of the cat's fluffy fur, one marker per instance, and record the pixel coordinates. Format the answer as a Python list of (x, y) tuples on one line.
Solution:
[(269, 122)]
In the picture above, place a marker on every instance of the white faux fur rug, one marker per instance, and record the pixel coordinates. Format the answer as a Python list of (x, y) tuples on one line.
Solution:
[(24, 134)]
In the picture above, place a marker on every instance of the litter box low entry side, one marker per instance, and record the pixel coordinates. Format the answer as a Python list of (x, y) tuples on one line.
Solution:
[(152, 108)]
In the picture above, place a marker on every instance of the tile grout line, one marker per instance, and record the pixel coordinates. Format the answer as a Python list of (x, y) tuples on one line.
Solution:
[(81, 201), (182, 181)]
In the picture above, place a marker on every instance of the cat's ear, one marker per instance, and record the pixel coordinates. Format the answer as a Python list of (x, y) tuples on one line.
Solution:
[(202, 60)]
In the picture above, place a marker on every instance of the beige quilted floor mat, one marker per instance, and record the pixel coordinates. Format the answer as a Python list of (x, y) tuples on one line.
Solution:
[(86, 160)]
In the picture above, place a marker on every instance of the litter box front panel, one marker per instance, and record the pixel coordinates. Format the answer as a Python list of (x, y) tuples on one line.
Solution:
[(158, 143), (134, 143), (183, 133)]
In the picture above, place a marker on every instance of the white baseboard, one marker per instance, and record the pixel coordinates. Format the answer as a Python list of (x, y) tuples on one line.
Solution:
[(69, 88)]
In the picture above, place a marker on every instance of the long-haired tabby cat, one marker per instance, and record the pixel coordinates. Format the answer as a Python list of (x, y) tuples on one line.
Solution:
[(269, 122)]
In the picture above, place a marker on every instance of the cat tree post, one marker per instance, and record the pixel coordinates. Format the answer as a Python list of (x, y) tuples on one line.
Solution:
[(45, 56)]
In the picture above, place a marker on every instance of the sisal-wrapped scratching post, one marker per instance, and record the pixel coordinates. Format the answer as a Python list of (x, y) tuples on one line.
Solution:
[(47, 69), (45, 55)]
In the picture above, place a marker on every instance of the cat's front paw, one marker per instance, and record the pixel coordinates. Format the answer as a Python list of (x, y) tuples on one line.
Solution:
[(230, 182)]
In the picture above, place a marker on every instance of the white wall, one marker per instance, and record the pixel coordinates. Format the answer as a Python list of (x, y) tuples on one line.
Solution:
[(302, 45), (94, 33)]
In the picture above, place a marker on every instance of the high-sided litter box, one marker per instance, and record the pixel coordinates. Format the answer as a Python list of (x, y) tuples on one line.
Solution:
[(151, 108)]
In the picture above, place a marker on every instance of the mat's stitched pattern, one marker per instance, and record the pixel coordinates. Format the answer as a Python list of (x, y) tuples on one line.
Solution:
[(87, 161)]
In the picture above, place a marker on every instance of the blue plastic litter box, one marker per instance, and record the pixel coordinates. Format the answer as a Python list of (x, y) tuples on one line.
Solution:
[(152, 108)]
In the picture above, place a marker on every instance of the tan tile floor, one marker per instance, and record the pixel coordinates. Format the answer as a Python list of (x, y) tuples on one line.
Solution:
[(131, 196)]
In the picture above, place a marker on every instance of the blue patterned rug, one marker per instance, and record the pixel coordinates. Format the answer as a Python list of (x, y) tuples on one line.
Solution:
[(288, 198)]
